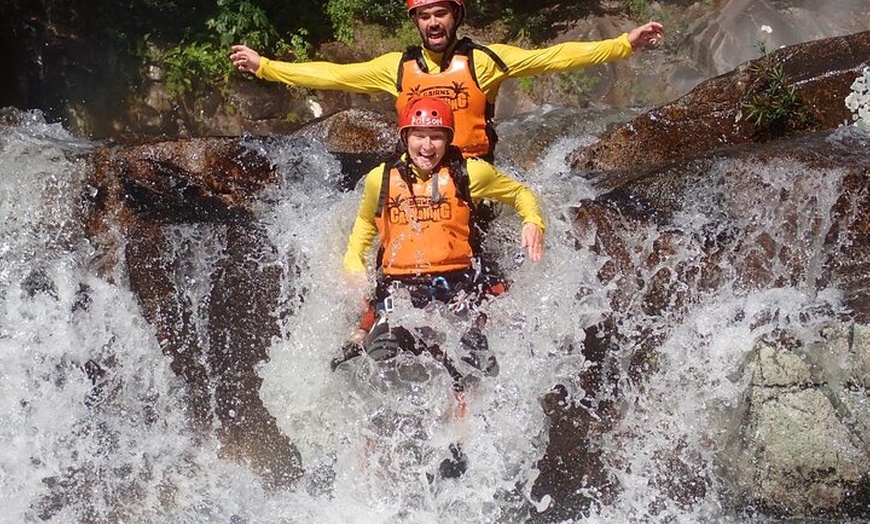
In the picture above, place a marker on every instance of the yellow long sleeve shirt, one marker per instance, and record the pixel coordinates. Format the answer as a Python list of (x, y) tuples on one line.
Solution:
[(379, 74), (485, 182)]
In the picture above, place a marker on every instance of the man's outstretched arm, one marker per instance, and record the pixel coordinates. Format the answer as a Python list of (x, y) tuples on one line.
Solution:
[(376, 75)]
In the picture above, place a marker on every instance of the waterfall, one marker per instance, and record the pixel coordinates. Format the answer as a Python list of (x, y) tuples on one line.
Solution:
[(95, 428)]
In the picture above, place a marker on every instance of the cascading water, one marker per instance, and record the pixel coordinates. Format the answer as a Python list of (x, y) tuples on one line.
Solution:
[(93, 421)]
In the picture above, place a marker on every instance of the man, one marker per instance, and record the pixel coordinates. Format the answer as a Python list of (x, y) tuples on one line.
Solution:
[(421, 208), (466, 75)]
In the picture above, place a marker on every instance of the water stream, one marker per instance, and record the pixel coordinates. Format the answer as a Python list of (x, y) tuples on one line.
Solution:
[(84, 443)]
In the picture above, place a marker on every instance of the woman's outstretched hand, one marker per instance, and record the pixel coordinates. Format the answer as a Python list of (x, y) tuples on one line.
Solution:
[(532, 240)]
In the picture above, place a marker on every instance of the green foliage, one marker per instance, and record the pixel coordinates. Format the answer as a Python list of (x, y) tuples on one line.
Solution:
[(297, 45), (580, 82), (390, 14), (407, 35), (525, 26), (239, 21), (343, 13), (775, 109), (524, 21), (638, 9), (574, 87), (526, 84), (340, 13), (193, 68)]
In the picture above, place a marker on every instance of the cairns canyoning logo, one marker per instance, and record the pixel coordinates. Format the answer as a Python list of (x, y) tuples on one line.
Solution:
[(417, 209), (455, 94)]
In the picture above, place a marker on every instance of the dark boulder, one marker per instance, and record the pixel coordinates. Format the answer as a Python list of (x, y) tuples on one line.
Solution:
[(138, 194)]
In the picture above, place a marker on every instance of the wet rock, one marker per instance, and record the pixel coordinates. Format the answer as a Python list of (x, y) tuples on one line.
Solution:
[(751, 207), (359, 138), (143, 194), (38, 282), (720, 40), (540, 130), (804, 447), (573, 473), (353, 131), (712, 115), (573, 476), (137, 195), (821, 178)]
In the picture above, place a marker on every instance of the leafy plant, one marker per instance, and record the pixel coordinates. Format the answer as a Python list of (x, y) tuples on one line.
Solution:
[(344, 13), (407, 35), (776, 109), (298, 45), (637, 9), (341, 14), (193, 67), (241, 21), (388, 14), (526, 84)]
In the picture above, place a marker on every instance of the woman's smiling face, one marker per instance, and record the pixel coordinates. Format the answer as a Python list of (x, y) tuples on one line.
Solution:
[(427, 146)]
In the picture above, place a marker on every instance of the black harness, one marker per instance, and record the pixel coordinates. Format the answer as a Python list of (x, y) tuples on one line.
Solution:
[(456, 164)]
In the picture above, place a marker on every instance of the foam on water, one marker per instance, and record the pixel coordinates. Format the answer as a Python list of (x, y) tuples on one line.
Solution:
[(93, 423)]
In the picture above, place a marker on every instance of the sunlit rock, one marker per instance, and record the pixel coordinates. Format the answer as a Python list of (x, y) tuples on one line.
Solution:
[(819, 190), (714, 115), (758, 218), (721, 40), (804, 446), (750, 218)]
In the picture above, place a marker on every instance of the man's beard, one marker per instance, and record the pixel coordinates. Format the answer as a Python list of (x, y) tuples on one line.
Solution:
[(444, 45)]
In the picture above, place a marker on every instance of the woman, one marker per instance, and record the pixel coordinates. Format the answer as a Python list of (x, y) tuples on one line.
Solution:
[(421, 208)]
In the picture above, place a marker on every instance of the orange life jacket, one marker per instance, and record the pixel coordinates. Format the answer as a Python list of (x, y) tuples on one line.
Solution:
[(457, 85), (423, 231)]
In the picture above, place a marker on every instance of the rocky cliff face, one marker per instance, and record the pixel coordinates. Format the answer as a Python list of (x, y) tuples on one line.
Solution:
[(803, 400)]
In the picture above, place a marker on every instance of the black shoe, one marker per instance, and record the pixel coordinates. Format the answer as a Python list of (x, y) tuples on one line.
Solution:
[(348, 351), (380, 343), (456, 466), (479, 356)]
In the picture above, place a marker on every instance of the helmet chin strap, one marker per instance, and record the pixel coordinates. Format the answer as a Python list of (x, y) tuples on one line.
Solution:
[(459, 14)]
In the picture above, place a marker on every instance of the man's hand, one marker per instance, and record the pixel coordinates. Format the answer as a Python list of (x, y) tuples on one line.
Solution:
[(245, 59), (532, 240), (648, 34)]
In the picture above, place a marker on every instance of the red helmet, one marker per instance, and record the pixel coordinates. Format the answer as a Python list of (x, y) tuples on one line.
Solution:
[(427, 112), (413, 4)]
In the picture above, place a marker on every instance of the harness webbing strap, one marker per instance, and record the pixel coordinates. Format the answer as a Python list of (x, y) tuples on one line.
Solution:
[(463, 48), (458, 169), (385, 183)]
